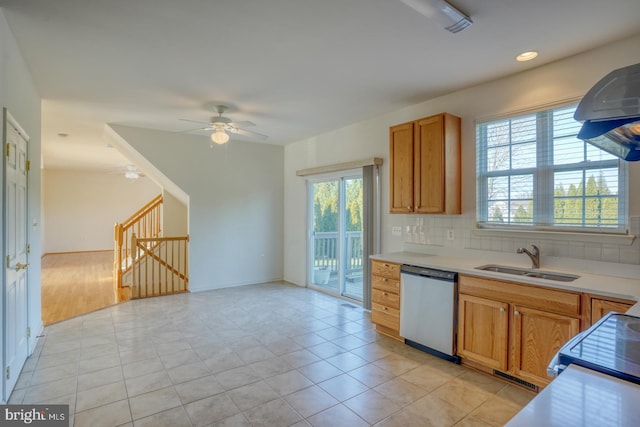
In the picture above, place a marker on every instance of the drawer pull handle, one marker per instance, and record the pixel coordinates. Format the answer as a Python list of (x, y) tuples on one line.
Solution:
[(501, 309), (517, 313), (385, 265), (384, 308), (385, 294), (384, 279)]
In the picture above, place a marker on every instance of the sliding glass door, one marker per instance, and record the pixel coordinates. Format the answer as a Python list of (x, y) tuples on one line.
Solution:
[(335, 242)]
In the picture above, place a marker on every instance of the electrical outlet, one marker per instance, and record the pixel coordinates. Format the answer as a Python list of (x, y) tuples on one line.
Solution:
[(450, 234), (396, 231)]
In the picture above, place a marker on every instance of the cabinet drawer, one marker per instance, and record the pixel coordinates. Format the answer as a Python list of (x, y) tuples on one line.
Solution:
[(388, 299), (385, 284), (385, 316), (386, 269), (547, 299)]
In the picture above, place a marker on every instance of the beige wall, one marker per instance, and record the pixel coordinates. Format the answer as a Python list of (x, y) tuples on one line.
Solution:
[(562, 80), (235, 203), (80, 208), (175, 216)]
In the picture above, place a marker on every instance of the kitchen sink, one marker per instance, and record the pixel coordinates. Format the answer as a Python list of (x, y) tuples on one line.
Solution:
[(538, 274)]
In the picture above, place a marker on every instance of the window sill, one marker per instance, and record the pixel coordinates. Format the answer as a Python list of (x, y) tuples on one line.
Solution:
[(601, 238)]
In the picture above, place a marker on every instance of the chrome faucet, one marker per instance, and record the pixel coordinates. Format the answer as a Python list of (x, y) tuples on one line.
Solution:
[(535, 256)]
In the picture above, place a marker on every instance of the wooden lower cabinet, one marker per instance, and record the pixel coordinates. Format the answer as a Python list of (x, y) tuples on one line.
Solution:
[(514, 328), (385, 296), (386, 316), (537, 337), (600, 307), (483, 330)]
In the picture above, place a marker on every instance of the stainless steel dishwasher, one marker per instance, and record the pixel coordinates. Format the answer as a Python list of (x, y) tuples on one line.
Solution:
[(429, 310)]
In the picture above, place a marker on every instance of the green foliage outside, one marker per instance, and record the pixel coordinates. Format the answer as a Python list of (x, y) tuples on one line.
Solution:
[(600, 206), (593, 205), (325, 203), (524, 215), (497, 216)]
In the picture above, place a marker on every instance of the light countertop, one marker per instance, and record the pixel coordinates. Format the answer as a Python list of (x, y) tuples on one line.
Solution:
[(602, 284), (580, 397)]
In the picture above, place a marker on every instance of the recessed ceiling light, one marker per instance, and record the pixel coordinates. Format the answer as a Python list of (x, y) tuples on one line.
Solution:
[(527, 56)]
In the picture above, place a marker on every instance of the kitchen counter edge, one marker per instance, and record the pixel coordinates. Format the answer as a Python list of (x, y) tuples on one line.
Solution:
[(605, 285)]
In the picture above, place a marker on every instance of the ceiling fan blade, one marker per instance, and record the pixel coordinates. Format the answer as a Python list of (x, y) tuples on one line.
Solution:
[(193, 130), (248, 133), (195, 121), (242, 124)]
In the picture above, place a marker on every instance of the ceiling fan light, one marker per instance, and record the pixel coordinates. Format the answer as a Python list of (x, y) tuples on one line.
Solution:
[(219, 137), (131, 175)]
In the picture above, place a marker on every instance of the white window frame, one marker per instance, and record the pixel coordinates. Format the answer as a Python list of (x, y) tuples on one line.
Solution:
[(543, 179)]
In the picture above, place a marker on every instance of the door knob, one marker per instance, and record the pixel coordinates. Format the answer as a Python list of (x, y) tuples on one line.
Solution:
[(20, 266)]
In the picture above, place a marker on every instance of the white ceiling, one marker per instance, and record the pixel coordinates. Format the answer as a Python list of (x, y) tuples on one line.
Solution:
[(296, 68)]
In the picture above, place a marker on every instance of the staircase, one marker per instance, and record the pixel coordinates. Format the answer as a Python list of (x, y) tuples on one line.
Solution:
[(145, 263)]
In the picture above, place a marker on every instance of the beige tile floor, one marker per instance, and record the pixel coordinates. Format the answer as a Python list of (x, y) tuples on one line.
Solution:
[(263, 355)]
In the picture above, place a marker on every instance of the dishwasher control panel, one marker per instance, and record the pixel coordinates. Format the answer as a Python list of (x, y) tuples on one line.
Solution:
[(428, 272)]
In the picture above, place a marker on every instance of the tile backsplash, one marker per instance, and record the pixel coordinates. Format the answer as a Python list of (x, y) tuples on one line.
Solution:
[(460, 232)]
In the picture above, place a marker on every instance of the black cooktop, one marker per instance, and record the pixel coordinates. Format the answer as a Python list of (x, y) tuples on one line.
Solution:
[(610, 346)]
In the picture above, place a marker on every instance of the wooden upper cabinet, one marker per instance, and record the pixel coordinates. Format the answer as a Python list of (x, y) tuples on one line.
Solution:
[(401, 167), (425, 166), (437, 158)]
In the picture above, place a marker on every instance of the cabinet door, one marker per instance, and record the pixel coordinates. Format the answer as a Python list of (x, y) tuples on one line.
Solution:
[(600, 307), (537, 337), (401, 168), (429, 180), (483, 331)]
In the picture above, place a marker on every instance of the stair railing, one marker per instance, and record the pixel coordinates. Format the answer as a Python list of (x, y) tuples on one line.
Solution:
[(145, 223), (159, 266)]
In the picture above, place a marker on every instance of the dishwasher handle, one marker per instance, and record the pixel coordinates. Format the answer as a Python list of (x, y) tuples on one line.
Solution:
[(448, 276)]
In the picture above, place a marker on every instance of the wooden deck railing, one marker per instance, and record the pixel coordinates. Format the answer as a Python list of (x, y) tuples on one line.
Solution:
[(145, 223), (159, 266)]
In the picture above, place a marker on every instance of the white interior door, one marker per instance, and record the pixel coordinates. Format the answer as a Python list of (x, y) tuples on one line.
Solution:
[(15, 232)]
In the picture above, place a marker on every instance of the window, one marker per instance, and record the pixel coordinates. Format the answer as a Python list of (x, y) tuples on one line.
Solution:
[(533, 172)]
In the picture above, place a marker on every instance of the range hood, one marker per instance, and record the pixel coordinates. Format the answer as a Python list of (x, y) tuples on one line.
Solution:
[(611, 114)]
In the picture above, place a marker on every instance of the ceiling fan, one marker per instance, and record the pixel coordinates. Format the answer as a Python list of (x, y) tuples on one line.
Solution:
[(130, 172), (222, 126)]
